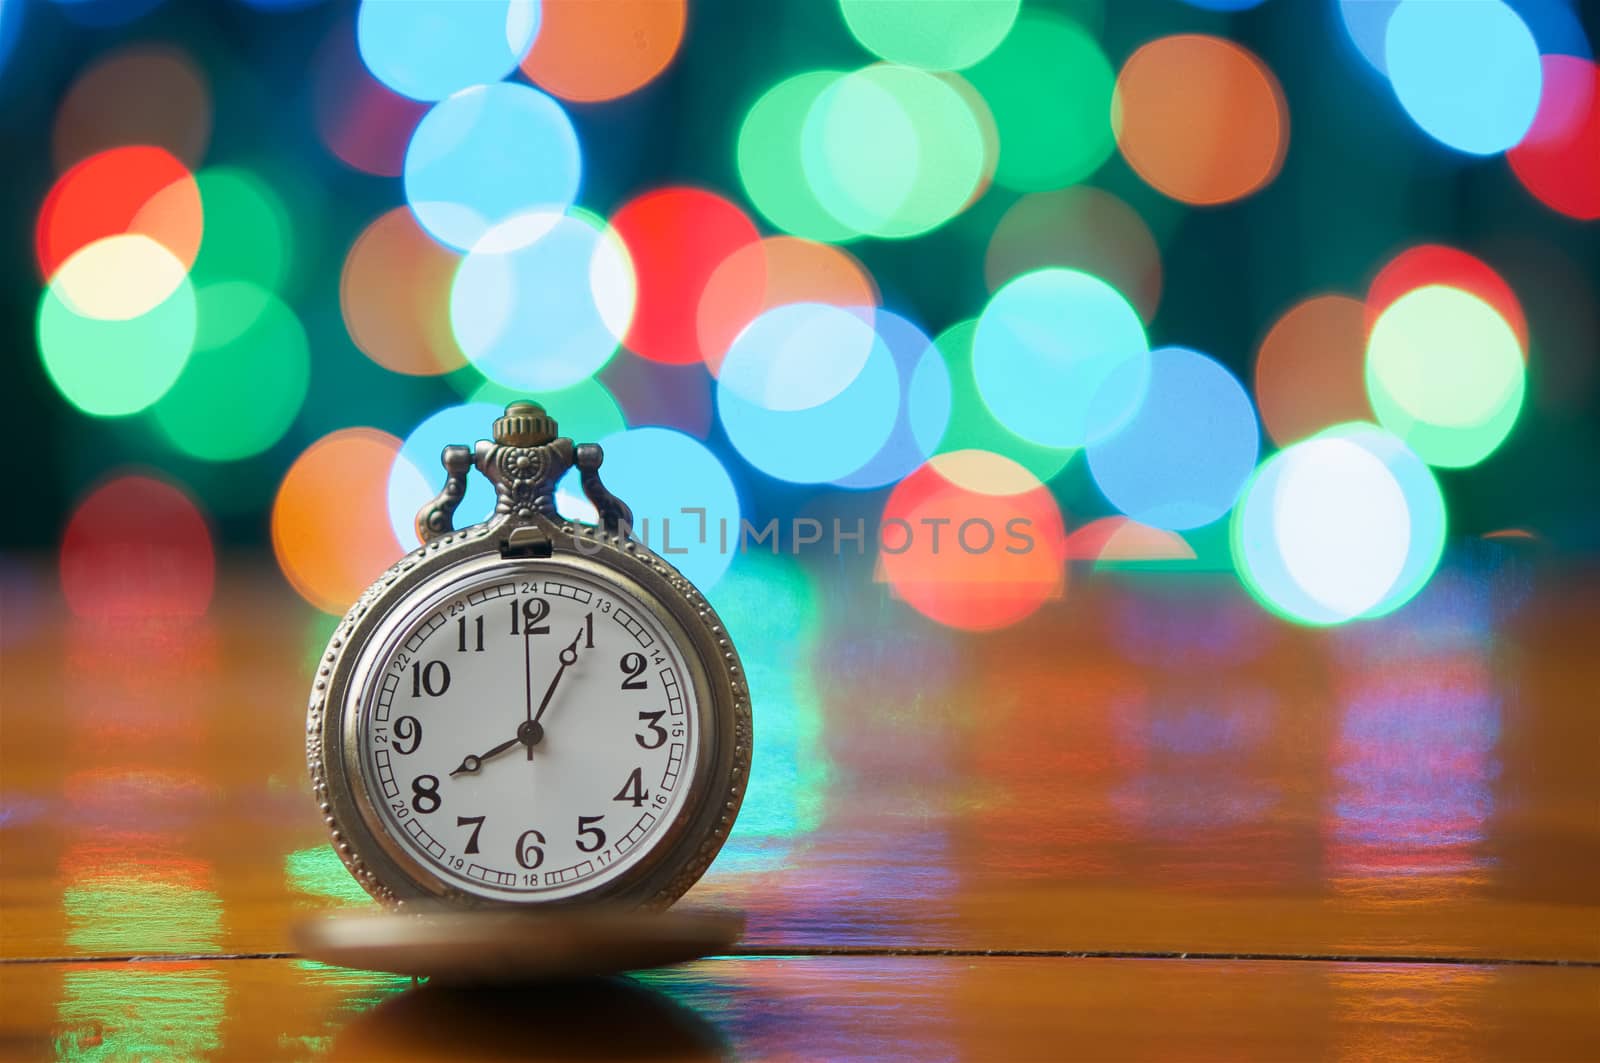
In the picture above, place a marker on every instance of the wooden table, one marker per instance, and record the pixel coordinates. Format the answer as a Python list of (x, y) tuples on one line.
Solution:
[(1152, 822)]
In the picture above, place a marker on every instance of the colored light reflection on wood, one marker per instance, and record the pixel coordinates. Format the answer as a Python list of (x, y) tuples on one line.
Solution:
[(136, 189), (591, 50), (1311, 369), (676, 237), (973, 541), (1426, 264), (1201, 119), (137, 547), (330, 521), (394, 293), (772, 272), (151, 95)]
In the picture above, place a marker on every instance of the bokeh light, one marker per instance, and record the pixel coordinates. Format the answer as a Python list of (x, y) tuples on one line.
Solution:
[(1424, 507), (1311, 369), (417, 475), (246, 379), (1558, 161), (1467, 73), (1445, 375), (1426, 264), (924, 404), (248, 234), (890, 151), (543, 299), (1365, 21), (809, 393), (771, 161), (972, 541), (430, 49), (10, 29), (1080, 228), (133, 189), (971, 426), (1060, 358), (330, 520), (359, 120), (137, 547), (1322, 532), (931, 34), (771, 272), (593, 50), (394, 293), (116, 325), (676, 238), (145, 94), (1117, 541), (1048, 86), (1200, 118), (661, 395), (486, 155), (701, 547), (1180, 461)]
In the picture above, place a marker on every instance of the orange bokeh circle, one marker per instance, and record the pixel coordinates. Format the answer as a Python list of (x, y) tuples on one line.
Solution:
[(394, 294), (330, 521), (1201, 119), (973, 541), (774, 272), (592, 50), (1311, 368)]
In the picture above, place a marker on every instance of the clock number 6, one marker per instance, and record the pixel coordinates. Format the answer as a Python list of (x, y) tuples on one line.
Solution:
[(653, 722), (634, 665), (529, 855)]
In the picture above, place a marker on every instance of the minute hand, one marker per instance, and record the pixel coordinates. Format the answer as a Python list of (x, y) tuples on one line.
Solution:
[(569, 656)]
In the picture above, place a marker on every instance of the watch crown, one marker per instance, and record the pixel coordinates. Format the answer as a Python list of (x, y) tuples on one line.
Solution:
[(525, 424)]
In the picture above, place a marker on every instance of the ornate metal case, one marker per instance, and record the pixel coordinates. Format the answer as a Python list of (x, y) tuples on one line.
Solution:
[(526, 534)]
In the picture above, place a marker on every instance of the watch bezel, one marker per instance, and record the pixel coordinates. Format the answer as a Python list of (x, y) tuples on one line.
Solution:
[(691, 840)]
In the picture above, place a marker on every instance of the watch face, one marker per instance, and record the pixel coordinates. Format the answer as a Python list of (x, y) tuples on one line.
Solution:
[(527, 733)]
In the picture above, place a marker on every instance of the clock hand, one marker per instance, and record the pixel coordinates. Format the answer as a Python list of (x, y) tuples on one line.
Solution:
[(569, 656), (527, 675), (470, 764)]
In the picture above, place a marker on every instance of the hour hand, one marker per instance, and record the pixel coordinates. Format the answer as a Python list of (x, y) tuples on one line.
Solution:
[(470, 764)]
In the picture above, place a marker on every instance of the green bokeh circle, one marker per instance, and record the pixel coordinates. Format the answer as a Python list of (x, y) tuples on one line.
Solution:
[(770, 164), (892, 152), (1049, 87), (112, 367), (931, 34), (1445, 374), (246, 380)]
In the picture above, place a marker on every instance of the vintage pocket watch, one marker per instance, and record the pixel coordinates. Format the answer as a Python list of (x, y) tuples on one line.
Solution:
[(531, 710)]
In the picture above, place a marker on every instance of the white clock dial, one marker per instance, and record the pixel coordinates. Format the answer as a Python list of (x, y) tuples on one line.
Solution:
[(529, 736)]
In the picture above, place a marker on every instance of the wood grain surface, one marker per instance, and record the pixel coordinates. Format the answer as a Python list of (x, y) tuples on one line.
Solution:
[(1376, 842)]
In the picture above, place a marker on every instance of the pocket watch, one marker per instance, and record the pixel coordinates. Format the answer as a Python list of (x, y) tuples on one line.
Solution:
[(531, 711)]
